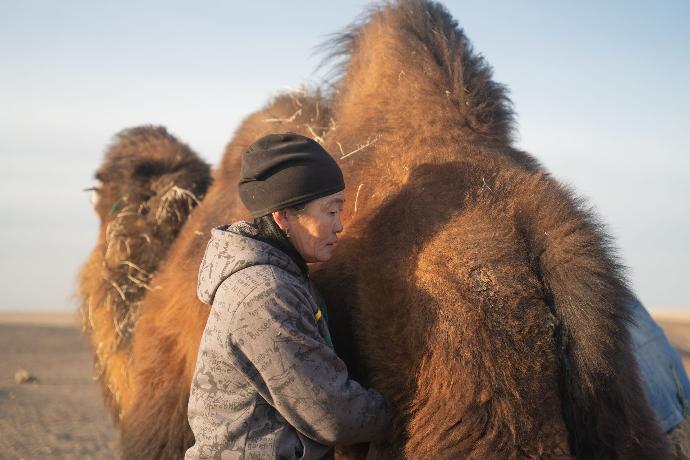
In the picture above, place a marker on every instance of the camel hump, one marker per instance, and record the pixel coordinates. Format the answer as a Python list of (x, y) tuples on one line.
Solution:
[(149, 183), (409, 64)]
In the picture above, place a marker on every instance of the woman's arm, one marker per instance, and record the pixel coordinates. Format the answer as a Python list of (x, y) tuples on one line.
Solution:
[(299, 374)]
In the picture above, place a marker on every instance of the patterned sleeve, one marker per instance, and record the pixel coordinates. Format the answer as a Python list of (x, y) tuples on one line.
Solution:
[(295, 371)]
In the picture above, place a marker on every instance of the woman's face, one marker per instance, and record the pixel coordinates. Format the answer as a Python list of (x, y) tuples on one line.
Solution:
[(314, 230)]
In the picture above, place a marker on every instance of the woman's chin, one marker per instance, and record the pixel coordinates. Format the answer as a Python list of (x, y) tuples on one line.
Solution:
[(325, 254)]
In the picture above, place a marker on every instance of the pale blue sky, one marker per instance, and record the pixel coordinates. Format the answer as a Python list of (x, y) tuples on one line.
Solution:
[(601, 91)]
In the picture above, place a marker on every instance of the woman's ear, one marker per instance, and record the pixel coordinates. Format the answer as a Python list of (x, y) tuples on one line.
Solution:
[(280, 218)]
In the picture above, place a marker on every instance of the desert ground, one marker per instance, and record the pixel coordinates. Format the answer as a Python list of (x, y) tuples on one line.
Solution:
[(59, 413)]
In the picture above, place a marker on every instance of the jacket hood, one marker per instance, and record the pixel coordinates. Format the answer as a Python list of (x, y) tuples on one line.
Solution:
[(233, 248)]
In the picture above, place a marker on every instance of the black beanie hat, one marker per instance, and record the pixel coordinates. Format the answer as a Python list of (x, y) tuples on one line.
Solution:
[(284, 170)]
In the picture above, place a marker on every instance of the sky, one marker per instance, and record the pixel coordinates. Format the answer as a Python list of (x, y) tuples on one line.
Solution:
[(601, 90)]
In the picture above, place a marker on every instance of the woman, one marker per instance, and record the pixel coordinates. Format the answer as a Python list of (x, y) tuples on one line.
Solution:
[(268, 383)]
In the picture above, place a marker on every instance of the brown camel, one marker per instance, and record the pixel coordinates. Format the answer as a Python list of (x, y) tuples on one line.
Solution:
[(148, 185), (478, 294)]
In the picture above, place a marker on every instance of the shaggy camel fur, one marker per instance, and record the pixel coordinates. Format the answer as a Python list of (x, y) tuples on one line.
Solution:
[(148, 185), (484, 298)]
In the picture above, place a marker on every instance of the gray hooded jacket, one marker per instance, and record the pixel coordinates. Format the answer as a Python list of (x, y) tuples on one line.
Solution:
[(267, 382)]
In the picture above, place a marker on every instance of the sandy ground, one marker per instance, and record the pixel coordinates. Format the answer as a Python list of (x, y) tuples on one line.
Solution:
[(61, 415)]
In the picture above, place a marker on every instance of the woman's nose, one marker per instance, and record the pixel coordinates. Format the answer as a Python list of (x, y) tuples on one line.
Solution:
[(338, 225)]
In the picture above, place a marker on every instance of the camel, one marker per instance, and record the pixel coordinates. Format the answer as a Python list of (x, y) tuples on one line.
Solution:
[(479, 295), (149, 183)]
